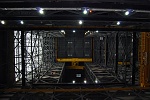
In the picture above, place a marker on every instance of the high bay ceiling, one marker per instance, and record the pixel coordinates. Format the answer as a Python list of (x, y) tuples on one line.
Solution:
[(103, 13)]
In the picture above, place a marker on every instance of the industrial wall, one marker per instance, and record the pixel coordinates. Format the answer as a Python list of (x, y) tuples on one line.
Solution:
[(74, 45)]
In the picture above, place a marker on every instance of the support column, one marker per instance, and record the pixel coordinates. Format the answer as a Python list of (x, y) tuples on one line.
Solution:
[(7, 68), (134, 58), (23, 60), (106, 50), (116, 62)]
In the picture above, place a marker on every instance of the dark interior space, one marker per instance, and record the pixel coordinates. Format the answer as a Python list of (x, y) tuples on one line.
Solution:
[(76, 75), (74, 49)]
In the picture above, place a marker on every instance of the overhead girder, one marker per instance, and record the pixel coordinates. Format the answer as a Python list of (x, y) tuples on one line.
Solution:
[(76, 17), (102, 28), (74, 4)]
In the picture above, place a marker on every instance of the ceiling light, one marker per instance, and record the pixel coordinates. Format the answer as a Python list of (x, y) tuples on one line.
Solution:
[(80, 22), (118, 23), (127, 13), (85, 11), (90, 11), (41, 11), (3, 22), (21, 22), (96, 81), (74, 31), (85, 81), (73, 81), (97, 31), (62, 31)]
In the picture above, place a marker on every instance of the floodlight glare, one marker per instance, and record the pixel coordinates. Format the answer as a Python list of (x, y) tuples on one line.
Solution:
[(41, 11), (127, 13), (85, 81), (118, 23), (80, 22), (3, 22), (73, 81), (85, 11), (96, 81), (21, 22)]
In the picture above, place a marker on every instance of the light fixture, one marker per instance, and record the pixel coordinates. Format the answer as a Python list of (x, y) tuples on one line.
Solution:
[(96, 81), (3, 22), (90, 11), (127, 13), (73, 81), (80, 22), (97, 31), (41, 11), (62, 31), (85, 81), (118, 23), (85, 11), (74, 31), (21, 22)]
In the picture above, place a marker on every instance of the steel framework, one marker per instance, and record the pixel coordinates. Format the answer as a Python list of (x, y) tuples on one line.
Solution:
[(39, 56), (112, 67), (115, 57)]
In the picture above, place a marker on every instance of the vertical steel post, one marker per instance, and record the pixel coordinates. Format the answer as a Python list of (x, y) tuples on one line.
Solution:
[(31, 56), (92, 40), (134, 58), (116, 62), (23, 61), (106, 50)]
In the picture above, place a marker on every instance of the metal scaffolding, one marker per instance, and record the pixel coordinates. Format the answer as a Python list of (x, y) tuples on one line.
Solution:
[(115, 58), (39, 57)]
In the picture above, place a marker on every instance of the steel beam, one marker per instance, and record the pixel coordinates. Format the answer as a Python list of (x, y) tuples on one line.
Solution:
[(134, 50), (67, 4), (106, 50), (67, 17), (73, 90), (116, 61), (102, 28), (74, 59), (23, 60), (75, 67)]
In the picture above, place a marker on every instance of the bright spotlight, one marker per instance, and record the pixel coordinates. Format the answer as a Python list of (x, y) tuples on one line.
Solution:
[(80, 22), (62, 31), (3, 22), (118, 23), (85, 81), (73, 31), (97, 31), (73, 81), (41, 11), (21, 22), (127, 13), (96, 81), (85, 11)]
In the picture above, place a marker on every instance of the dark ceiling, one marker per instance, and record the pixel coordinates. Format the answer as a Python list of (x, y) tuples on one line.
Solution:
[(105, 13)]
